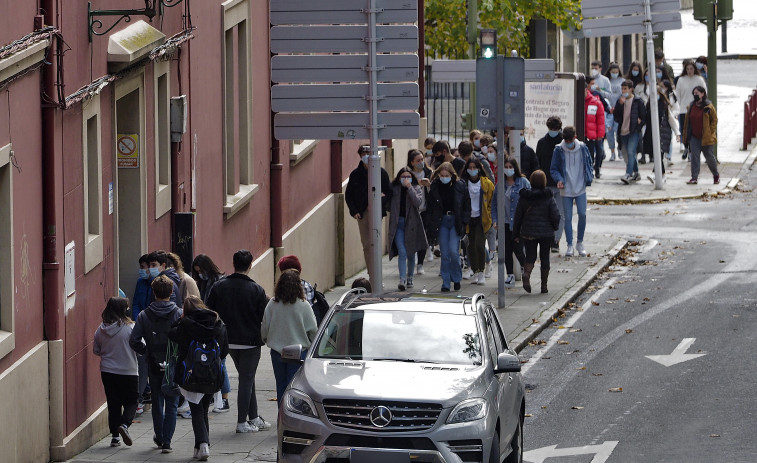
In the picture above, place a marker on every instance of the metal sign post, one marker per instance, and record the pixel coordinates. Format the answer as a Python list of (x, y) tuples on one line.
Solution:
[(374, 163), (653, 97)]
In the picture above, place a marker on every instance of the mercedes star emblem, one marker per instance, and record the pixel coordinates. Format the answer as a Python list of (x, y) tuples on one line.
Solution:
[(381, 416)]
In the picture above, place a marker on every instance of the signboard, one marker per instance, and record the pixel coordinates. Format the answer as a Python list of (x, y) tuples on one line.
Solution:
[(342, 97), (69, 269), (622, 25), (345, 125), (342, 39), (342, 11), (545, 99), (299, 69), (464, 70), (601, 8), (127, 150)]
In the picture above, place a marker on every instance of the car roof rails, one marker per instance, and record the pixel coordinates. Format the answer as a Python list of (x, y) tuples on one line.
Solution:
[(473, 301), (351, 294)]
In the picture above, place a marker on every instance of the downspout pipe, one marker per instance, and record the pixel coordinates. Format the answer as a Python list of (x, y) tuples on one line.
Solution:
[(51, 199), (277, 188)]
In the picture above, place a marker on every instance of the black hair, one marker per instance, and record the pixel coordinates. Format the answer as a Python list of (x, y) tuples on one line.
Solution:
[(144, 259), (242, 260), (701, 90), (481, 173), (158, 256), (516, 167), (569, 133), (440, 146), (411, 155), (596, 63), (554, 123), (116, 311), (207, 265), (464, 148), (635, 79), (613, 65), (413, 179), (627, 83)]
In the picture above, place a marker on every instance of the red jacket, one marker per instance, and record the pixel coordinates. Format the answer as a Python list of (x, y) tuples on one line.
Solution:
[(595, 117)]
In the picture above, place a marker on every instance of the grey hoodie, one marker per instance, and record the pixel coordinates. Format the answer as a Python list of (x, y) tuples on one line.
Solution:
[(112, 346)]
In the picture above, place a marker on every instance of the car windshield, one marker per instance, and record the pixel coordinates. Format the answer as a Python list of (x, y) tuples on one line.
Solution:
[(425, 337)]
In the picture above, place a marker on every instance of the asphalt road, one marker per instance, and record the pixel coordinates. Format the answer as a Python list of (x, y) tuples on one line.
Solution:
[(687, 289)]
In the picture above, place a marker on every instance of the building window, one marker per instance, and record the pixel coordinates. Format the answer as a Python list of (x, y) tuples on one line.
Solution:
[(7, 337), (300, 149), (162, 139), (237, 120), (93, 216)]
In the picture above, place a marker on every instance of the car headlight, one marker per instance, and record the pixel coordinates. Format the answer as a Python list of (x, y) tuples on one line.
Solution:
[(298, 402), (467, 410)]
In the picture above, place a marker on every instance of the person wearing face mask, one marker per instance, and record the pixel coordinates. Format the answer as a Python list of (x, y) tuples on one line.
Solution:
[(660, 61), (160, 265), (630, 114), (634, 73), (441, 153), (428, 146), (571, 167), (515, 183), (701, 64), (611, 128), (475, 139), (449, 209), (687, 81), (528, 160), (700, 134), (603, 83), (405, 236), (668, 126), (141, 300), (480, 191), (544, 151), (487, 152), (594, 115), (356, 197), (423, 175)]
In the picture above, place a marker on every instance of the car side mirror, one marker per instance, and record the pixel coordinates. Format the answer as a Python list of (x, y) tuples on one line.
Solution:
[(507, 363), (292, 354)]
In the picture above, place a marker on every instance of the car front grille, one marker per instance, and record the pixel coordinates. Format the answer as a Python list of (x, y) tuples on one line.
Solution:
[(406, 416)]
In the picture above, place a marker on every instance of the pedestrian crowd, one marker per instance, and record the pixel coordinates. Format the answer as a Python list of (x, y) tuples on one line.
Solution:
[(170, 347)]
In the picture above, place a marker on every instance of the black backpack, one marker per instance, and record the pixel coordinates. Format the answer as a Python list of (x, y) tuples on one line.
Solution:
[(320, 305), (202, 367), (157, 339)]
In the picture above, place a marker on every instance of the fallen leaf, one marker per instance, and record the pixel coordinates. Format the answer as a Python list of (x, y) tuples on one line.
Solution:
[(616, 389), (582, 368), (722, 261), (563, 342), (528, 415), (543, 406), (597, 374), (628, 299), (554, 319), (561, 327), (524, 361), (629, 330), (714, 435), (534, 320), (594, 303), (575, 330), (576, 408), (646, 299)]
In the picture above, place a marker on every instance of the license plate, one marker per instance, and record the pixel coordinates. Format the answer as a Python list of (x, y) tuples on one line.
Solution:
[(368, 456)]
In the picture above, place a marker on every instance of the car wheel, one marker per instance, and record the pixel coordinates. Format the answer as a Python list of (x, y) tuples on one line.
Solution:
[(494, 452), (516, 455)]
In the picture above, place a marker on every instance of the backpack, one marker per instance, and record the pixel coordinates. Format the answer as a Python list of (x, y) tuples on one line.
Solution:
[(157, 339), (202, 367), (320, 305)]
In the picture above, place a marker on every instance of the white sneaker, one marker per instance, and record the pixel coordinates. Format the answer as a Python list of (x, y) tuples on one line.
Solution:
[(419, 270), (510, 281), (430, 254), (569, 251), (626, 179), (467, 274), (184, 408), (489, 269), (580, 249), (187, 415), (140, 408), (246, 427), (203, 452), (481, 278), (196, 455), (260, 423)]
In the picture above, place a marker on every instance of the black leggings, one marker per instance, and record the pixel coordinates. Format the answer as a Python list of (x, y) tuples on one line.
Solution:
[(122, 393), (511, 248), (200, 424), (544, 245)]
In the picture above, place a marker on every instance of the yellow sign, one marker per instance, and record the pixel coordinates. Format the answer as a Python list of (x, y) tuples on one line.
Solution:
[(127, 149)]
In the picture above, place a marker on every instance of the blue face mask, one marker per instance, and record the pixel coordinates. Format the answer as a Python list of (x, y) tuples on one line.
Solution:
[(614, 75), (634, 72), (477, 143), (429, 152), (445, 180), (364, 158), (473, 172), (419, 165), (553, 133), (154, 271), (699, 66), (509, 172), (203, 276), (646, 78), (522, 138), (144, 274), (626, 94), (570, 145), (659, 75)]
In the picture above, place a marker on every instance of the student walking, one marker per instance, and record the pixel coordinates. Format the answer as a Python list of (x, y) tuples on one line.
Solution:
[(545, 148), (480, 191), (118, 368), (701, 134), (405, 236), (515, 183), (616, 80), (536, 219), (630, 115), (288, 320), (423, 175), (142, 298), (199, 328)]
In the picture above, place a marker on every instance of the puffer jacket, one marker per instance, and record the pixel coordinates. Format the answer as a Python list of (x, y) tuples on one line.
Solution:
[(435, 209), (638, 113), (709, 124), (484, 202), (595, 117), (536, 215)]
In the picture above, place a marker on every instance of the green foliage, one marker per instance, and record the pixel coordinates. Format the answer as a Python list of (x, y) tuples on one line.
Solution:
[(446, 22)]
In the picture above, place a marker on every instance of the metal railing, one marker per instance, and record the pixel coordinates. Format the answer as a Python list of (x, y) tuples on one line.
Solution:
[(750, 119), (446, 105)]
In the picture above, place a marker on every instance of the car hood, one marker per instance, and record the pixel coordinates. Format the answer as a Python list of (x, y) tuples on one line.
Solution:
[(390, 380)]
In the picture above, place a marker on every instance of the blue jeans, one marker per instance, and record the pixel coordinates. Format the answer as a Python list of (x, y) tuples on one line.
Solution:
[(610, 134), (449, 245), (283, 372), (567, 203), (163, 420), (406, 263), (226, 386), (630, 144)]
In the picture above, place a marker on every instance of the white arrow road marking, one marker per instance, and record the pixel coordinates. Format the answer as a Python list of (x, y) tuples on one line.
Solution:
[(679, 355), (601, 452)]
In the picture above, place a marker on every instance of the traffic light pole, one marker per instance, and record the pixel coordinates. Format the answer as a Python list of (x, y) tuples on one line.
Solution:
[(501, 271)]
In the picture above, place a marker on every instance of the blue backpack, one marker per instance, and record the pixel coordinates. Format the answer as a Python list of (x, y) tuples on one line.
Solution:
[(202, 367)]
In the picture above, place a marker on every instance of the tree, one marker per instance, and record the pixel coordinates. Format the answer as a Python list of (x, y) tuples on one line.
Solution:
[(445, 22)]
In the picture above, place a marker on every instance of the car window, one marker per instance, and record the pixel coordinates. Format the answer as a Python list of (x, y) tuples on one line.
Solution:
[(499, 337), (401, 335), (491, 343)]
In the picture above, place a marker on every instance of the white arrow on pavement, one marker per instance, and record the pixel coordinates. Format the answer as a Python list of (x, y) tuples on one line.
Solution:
[(679, 355), (601, 452)]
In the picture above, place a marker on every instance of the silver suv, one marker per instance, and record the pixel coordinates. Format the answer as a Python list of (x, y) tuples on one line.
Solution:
[(402, 378)]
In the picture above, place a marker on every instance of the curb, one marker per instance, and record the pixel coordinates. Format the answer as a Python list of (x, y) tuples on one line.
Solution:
[(591, 274), (747, 165)]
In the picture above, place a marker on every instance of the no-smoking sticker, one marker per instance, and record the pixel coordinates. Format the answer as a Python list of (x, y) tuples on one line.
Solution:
[(127, 149)]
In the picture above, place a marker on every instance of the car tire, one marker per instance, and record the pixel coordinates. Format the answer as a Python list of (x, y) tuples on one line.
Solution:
[(516, 455), (494, 452)]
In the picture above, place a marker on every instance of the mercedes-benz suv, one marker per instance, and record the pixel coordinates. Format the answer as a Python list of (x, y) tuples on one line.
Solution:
[(402, 378)]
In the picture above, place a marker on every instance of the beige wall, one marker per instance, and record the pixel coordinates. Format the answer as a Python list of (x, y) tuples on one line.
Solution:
[(25, 432), (262, 271)]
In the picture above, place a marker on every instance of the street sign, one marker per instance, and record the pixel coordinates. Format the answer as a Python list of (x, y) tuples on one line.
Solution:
[(464, 70), (342, 39), (342, 97), (341, 11), (622, 25), (514, 92), (342, 68), (346, 125), (679, 354), (485, 76), (602, 8)]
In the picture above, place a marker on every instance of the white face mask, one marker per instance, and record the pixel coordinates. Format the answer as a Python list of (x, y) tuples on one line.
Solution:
[(484, 149), (492, 157), (364, 158), (477, 143), (595, 72)]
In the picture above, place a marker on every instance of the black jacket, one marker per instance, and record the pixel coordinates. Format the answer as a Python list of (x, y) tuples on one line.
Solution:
[(240, 302), (435, 209), (544, 149), (536, 215), (201, 325), (528, 160), (356, 193), (638, 111)]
